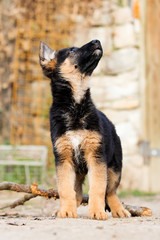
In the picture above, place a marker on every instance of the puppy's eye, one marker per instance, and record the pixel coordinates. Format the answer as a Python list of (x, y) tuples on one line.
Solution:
[(72, 50), (75, 66)]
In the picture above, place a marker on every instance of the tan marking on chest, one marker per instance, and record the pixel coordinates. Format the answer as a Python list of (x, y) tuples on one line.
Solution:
[(88, 141)]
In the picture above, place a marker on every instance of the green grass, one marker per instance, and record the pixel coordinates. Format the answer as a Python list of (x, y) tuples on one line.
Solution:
[(135, 193)]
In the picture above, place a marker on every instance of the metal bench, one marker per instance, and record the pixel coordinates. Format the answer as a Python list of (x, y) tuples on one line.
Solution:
[(26, 156)]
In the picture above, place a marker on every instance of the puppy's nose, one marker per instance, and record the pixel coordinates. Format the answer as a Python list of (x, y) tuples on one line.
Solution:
[(95, 41)]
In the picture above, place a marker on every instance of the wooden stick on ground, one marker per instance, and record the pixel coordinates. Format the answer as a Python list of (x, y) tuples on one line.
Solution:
[(35, 191), (20, 201)]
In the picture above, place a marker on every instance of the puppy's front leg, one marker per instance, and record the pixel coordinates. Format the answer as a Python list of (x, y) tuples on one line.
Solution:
[(66, 180), (97, 172), (97, 181)]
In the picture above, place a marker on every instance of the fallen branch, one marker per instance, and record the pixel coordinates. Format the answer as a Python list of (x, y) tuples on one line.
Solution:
[(137, 211), (20, 201), (35, 191)]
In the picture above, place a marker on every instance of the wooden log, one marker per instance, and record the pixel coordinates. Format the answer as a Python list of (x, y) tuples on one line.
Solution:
[(35, 191)]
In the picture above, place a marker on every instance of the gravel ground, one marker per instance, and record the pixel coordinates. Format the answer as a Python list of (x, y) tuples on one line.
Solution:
[(34, 221)]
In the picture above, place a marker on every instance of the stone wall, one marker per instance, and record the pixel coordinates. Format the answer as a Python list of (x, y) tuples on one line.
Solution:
[(116, 81), (7, 45)]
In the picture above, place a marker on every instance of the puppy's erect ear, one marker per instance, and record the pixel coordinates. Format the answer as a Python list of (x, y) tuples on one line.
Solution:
[(47, 58)]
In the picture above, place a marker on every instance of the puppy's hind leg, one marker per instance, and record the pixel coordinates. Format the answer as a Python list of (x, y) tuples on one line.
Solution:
[(113, 201), (78, 188)]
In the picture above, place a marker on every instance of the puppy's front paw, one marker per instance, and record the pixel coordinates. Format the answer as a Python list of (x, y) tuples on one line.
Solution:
[(98, 214), (67, 213)]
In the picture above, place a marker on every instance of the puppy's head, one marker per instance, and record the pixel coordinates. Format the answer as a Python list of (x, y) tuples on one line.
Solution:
[(70, 62)]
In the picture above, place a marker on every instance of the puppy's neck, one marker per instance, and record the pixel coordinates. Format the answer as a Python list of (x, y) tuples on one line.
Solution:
[(69, 91), (79, 87), (79, 82)]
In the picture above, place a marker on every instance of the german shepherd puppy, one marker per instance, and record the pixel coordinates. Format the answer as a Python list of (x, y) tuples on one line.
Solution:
[(84, 140)]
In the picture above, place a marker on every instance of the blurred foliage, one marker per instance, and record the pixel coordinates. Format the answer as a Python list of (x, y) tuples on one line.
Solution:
[(6, 143), (17, 174), (86, 186)]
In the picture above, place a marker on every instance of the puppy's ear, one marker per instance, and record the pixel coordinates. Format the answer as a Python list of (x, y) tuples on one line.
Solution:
[(47, 58)]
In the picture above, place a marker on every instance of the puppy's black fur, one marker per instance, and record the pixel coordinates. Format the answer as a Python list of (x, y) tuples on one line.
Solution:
[(74, 118)]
